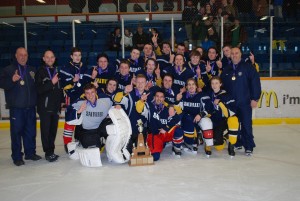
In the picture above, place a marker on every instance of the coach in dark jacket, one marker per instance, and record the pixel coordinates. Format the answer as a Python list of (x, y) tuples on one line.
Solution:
[(241, 81), (50, 97), (18, 83)]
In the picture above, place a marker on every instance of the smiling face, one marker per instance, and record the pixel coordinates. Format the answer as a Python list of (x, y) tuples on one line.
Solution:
[(111, 86), (167, 82), (90, 95), (141, 83), (76, 57), (124, 69), (227, 51), (179, 60), (150, 66), (135, 54), (236, 55), (102, 62), (191, 86), (216, 85), (159, 98), (49, 58), (195, 60), (212, 54), (21, 56)]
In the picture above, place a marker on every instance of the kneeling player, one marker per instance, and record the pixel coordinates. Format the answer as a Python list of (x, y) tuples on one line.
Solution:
[(223, 116), (163, 125), (90, 113)]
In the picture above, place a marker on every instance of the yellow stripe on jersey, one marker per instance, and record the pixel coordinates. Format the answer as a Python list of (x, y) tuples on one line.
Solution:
[(224, 109), (140, 106), (69, 86), (118, 97)]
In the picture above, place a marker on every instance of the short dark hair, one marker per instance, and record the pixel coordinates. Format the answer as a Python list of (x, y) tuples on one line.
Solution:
[(89, 86), (102, 55), (75, 49)]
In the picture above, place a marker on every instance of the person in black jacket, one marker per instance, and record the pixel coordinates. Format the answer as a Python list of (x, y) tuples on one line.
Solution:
[(50, 97), (18, 83)]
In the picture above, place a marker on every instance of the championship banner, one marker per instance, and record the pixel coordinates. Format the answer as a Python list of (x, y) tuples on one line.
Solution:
[(280, 98)]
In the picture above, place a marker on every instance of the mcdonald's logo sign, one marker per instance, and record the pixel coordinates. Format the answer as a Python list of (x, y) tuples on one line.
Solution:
[(268, 96)]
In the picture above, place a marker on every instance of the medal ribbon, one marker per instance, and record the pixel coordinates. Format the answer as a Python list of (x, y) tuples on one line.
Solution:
[(49, 73), (22, 73), (90, 103)]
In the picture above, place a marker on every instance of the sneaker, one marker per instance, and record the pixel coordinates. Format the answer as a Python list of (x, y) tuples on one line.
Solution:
[(34, 157), (51, 158), (231, 149), (176, 151), (248, 152), (19, 162)]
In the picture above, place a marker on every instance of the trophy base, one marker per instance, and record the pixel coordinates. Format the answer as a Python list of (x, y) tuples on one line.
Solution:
[(141, 161)]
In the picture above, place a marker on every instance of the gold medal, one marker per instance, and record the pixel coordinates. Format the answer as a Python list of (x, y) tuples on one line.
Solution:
[(233, 78), (22, 82)]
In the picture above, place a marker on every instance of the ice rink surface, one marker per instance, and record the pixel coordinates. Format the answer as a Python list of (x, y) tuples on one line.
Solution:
[(271, 174)]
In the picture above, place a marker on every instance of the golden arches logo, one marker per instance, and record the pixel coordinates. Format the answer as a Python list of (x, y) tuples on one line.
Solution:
[(268, 96)]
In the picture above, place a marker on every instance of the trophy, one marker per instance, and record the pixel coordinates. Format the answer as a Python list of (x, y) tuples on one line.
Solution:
[(141, 154)]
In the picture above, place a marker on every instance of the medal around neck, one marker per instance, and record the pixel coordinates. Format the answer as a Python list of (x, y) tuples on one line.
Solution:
[(233, 78), (78, 84), (22, 82)]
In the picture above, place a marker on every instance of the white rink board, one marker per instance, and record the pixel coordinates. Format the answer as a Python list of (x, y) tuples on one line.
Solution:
[(288, 96)]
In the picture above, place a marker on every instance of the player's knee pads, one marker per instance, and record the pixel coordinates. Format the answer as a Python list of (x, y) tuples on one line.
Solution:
[(207, 130), (118, 136), (205, 124), (233, 127), (89, 157), (233, 123)]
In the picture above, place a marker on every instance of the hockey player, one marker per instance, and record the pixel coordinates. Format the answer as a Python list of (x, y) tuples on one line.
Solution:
[(165, 57), (242, 82), (162, 127), (198, 68), (223, 117), (124, 76), (213, 63), (196, 107), (50, 98), (151, 72), (147, 53), (167, 87), (180, 72), (110, 88), (89, 112), (73, 78), (102, 72), (129, 102)]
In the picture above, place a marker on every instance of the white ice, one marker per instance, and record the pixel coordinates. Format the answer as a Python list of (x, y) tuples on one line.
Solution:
[(271, 174)]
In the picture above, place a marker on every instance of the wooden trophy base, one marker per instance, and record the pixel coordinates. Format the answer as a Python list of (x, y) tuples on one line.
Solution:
[(141, 154)]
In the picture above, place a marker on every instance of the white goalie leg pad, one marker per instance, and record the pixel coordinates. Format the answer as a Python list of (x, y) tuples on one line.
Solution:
[(118, 136), (89, 157), (207, 130), (73, 154)]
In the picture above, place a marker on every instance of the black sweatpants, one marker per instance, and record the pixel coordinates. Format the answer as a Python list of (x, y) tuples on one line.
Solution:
[(49, 123)]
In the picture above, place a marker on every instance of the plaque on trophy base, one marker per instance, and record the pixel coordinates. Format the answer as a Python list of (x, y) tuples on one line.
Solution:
[(141, 154)]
